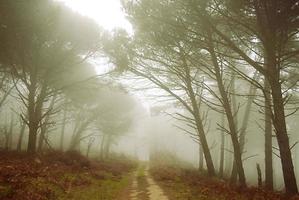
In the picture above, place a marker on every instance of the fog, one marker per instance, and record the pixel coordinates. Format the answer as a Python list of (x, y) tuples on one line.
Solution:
[(161, 83)]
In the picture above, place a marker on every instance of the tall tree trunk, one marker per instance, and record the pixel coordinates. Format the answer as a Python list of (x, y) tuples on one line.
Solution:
[(245, 121), (42, 137), (6, 144), (234, 174), (34, 107), (10, 133), (279, 122), (193, 109), (80, 127), (32, 137), (229, 161), (21, 136), (108, 146), (63, 128), (76, 139), (274, 37), (252, 93), (205, 147), (32, 120), (221, 164), (76, 133), (90, 143), (229, 115), (102, 146), (268, 139), (200, 159), (282, 138), (75, 142), (198, 120), (35, 101), (259, 175), (44, 125)]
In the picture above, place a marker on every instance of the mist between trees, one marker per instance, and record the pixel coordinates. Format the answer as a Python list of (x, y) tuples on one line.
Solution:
[(223, 73)]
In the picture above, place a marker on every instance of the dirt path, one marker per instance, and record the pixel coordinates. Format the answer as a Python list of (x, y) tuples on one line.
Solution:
[(145, 188), (155, 191)]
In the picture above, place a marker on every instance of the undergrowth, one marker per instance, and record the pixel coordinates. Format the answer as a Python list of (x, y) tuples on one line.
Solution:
[(61, 176), (182, 184)]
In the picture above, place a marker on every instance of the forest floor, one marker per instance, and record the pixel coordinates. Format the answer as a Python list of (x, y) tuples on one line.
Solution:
[(62, 176), (66, 176), (184, 184)]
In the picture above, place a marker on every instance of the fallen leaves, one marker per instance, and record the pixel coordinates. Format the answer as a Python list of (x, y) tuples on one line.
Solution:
[(42, 177), (177, 181)]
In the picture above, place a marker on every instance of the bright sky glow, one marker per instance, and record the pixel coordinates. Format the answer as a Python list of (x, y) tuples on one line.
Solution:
[(107, 13)]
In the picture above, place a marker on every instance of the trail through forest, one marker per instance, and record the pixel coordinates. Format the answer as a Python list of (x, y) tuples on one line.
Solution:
[(144, 187), (196, 98), (155, 190)]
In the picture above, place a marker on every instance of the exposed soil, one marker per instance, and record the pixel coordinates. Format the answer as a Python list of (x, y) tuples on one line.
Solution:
[(155, 191), (145, 188)]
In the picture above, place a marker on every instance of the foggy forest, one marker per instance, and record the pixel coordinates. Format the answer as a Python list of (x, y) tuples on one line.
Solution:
[(149, 99)]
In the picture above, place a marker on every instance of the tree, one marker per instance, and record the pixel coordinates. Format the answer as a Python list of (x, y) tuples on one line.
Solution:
[(175, 38), (40, 39), (64, 121), (268, 139), (274, 24), (148, 56), (101, 109), (222, 145), (180, 33), (114, 119)]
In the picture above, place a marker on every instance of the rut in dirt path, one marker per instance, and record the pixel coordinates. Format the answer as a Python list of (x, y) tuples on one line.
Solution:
[(145, 188)]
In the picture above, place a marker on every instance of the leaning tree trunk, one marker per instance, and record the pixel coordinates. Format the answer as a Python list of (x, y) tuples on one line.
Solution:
[(77, 132), (229, 116), (252, 93), (77, 136), (205, 147), (268, 139), (274, 37), (279, 123), (198, 121), (200, 159), (236, 145)]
